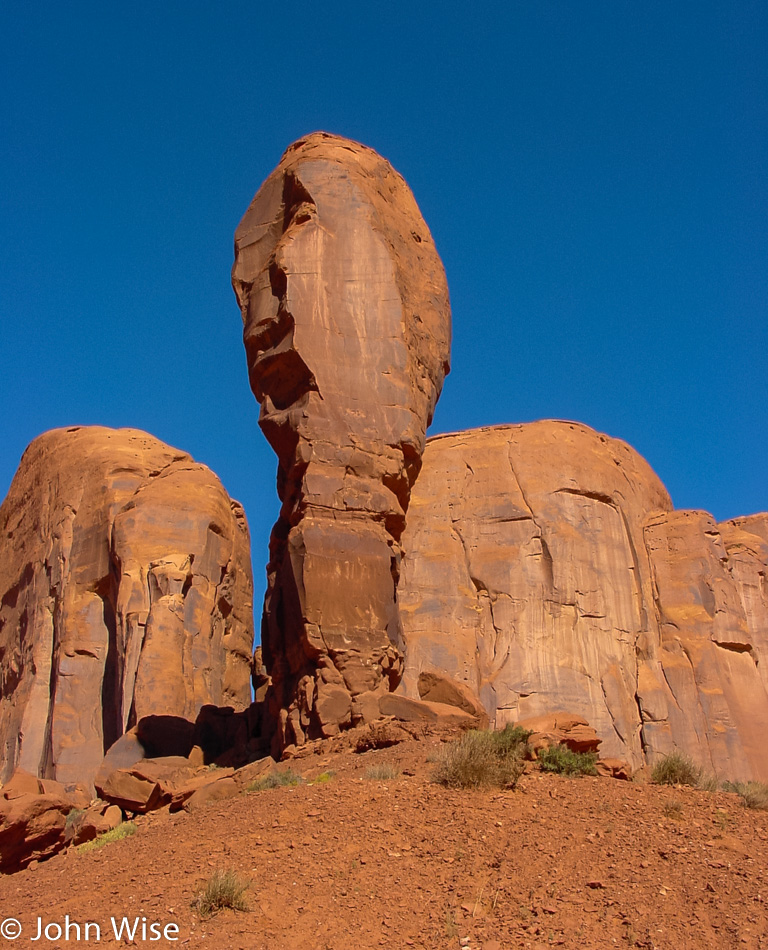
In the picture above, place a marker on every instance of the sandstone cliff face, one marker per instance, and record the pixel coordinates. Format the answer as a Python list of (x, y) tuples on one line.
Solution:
[(746, 546), (126, 591), (545, 568), (347, 335)]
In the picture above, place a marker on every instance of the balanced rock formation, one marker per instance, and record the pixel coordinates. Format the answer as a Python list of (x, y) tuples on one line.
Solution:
[(347, 334), (545, 569), (125, 592)]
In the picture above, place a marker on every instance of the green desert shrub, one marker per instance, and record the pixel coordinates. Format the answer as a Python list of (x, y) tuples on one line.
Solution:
[(753, 794), (223, 889), (483, 758), (677, 769), (324, 777), (382, 772), (561, 759), (511, 740), (124, 830), (282, 779)]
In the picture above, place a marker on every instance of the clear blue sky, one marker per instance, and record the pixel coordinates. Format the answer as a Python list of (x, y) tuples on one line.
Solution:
[(594, 175)]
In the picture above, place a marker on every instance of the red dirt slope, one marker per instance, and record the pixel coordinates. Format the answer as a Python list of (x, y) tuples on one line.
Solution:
[(359, 863)]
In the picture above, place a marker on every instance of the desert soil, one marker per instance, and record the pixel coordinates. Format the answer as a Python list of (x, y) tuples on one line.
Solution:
[(355, 862)]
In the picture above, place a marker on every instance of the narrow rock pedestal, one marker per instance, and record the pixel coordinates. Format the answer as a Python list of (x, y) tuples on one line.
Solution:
[(347, 334)]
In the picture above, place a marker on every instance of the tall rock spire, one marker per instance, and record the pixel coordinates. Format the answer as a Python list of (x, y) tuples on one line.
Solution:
[(347, 334)]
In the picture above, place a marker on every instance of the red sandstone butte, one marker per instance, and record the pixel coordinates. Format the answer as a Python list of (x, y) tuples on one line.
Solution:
[(347, 335), (545, 568), (126, 592)]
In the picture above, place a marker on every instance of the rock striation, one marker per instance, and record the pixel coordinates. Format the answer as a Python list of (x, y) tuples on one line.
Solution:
[(347, 335), (545, 569), (125, 592)]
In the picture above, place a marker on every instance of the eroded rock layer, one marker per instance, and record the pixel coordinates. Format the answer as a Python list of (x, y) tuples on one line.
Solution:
[(545, 569), (347, 335), (126, 591)]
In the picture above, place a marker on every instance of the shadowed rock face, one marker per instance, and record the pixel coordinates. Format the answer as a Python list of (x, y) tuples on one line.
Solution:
[(126, 591), (347, 334), (545, 568)]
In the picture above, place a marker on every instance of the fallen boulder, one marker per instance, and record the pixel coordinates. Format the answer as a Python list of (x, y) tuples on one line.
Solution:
[(31, 829), (415, 710), (435, 687), (85, 825), (573, 732), (216, 791), (33, 818)]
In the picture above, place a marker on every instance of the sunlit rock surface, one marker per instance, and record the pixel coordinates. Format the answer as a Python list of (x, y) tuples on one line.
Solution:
[(347, 335), (126, 591), (545, 568)]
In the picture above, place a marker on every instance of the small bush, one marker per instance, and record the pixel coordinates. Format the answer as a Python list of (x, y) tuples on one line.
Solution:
[(72, 817), (324, 777), (676, 769), (379, 735), (753, 794), (275, 780), (511, 740), (483, 758), (223, 889), (708, 783), (383, 772), (561, 759), (124, 830)]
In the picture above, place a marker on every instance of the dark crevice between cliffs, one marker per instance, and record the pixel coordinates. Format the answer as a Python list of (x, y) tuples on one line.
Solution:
[(111, 688)]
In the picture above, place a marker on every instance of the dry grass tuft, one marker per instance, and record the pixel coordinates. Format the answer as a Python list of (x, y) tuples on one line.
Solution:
[(753, 794), (677, 769), (383, 772), (223, 889), (123, 830), (483, 758), (283, 779)]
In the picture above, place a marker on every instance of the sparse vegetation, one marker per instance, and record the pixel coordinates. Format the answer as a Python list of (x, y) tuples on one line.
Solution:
[(708, 783), (378, 735), (282, 779), (124, 830), (223, 889), (323, 777), (722, 819), (678, 769), (482, 758), (451, 928), (72, 817), (673, 810), (753, 794), (383, 772), (561, 759)]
